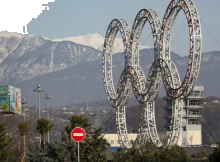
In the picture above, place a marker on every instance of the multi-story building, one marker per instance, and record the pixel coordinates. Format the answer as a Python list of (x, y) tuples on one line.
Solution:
[(191, 131)]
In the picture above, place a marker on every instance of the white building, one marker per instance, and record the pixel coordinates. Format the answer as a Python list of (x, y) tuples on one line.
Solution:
[(191, 131), (215, 102), (113, 139)]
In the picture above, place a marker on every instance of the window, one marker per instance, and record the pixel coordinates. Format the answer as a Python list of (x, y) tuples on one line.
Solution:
[(131, 141), (184, 128), (193, 122), (118, 142), (112, 142), (194, 112), (195, 102), (196, 93)]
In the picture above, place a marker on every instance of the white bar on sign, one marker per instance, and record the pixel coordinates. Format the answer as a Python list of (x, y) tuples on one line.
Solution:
[(77, 134)]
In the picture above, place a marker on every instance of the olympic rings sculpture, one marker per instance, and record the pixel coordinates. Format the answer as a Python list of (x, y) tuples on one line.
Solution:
[(163, 70)]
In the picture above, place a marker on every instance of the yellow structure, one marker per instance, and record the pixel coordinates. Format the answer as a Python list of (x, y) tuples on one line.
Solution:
[(113, 139)]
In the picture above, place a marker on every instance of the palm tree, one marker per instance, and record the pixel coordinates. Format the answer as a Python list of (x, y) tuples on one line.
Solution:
[(42, 127), (5, 143), (66, 133), (75, 121), (79, 121), (23, 128)]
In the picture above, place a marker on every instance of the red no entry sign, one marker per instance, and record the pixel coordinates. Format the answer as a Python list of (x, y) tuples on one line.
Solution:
[(78, 134)]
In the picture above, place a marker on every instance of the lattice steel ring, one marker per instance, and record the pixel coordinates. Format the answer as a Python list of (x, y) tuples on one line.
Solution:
[(189, 9), (170, 76), (123, 94), (150, 87), (147, 86), (176, 109)]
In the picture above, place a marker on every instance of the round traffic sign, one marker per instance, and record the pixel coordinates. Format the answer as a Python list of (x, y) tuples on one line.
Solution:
[(78, 134)]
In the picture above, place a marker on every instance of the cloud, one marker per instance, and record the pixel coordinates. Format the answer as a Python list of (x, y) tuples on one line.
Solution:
[(16, 14)]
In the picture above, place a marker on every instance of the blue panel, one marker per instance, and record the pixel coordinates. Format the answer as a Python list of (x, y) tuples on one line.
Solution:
[(114, 148)]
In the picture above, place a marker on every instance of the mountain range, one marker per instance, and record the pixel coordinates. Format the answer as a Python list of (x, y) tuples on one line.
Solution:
[(96, 41), (72, 72)]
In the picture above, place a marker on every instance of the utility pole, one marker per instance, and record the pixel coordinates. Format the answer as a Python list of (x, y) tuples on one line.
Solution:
[(97, 118), (39, 90), (47, 97), (23, 102)]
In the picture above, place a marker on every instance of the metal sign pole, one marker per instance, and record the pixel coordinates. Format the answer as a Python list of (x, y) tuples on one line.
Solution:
[(48, 120), (78, 134), (78, 151), (39, 111)]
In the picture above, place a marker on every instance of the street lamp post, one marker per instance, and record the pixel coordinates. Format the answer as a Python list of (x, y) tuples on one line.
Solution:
[(47, 97), (39, 90), (23, 102)]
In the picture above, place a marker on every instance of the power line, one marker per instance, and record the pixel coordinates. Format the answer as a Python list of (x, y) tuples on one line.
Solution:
[(76, 82), (210, 34), (97, 68), (206, 74), (69, 92), (81, 89), (210, 129)]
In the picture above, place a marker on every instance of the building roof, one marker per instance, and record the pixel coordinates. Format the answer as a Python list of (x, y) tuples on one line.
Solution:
[(198, 88)]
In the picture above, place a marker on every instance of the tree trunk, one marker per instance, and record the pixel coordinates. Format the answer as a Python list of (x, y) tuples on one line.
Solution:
[(22, 148), (42, 142)]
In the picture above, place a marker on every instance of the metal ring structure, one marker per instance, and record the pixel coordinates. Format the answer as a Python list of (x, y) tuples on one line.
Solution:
[(119, 99), (175, 118), (163, 70), (150, 86), (174, 83), (148, 128), (192, 16), (114, 98), (122, 127), (142, 87)]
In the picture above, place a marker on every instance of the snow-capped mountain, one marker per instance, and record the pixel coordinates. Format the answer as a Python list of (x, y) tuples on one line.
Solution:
[(70, 70), (32, 55), (96, 41)]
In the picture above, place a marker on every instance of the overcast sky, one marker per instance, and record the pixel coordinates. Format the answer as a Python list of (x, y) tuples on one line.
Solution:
[(66, 18)]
